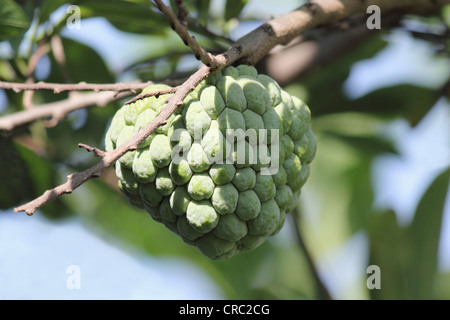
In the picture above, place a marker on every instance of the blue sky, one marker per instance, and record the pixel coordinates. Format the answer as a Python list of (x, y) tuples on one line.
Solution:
[(36, 255)]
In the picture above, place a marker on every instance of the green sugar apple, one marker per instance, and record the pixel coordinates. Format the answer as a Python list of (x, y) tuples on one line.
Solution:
[(228, 165)]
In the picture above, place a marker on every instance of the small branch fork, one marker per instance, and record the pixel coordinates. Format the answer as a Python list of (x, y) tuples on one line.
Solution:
[(180, 27), (249, 49), (151, 94)]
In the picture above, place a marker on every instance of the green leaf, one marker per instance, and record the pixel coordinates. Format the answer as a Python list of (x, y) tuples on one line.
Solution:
[(424, 233), (13, 20), (443, 286), (391, 252), (16, 185), (446, 14), (331, 78), (233, 8), (48, 7), (363, 131), (203, 11), (129, 16), (83, 64), (37, 175), (6, 71), (338, 173), (361, 199), (198, 9), (408, 256), (369, 146), (409, 101)]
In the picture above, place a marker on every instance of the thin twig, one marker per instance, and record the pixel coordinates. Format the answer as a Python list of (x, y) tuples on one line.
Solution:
[(82, 86), (42, 49), (200, 53), (151, 94), (97, 152), (60, 57), (322, 289), (201, 29), (59, 109)]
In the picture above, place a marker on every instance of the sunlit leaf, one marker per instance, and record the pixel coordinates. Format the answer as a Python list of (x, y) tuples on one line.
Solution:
[(6, 71)]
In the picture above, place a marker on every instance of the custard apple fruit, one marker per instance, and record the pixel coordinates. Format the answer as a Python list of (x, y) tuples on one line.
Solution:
[(228, 165)]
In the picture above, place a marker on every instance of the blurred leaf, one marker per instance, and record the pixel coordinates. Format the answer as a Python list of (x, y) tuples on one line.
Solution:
[(13, 20), (408, 256), (369, 145), (83, 126), (411, 102), (83, 64), (341, 175), (16, 185), (349, 124), (361, 198), (42, 176), (233, 8), (391, 251), (331, 78), (29, 6), (446, 14), (283, 273), (363, 131), (129, 16), (328, 193), (197, 9), (6, 71), (203, 11), (443, 286), (47, 7), (425, 233)]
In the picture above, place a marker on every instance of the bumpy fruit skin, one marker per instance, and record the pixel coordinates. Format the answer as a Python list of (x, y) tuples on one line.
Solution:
[(224, 192)]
